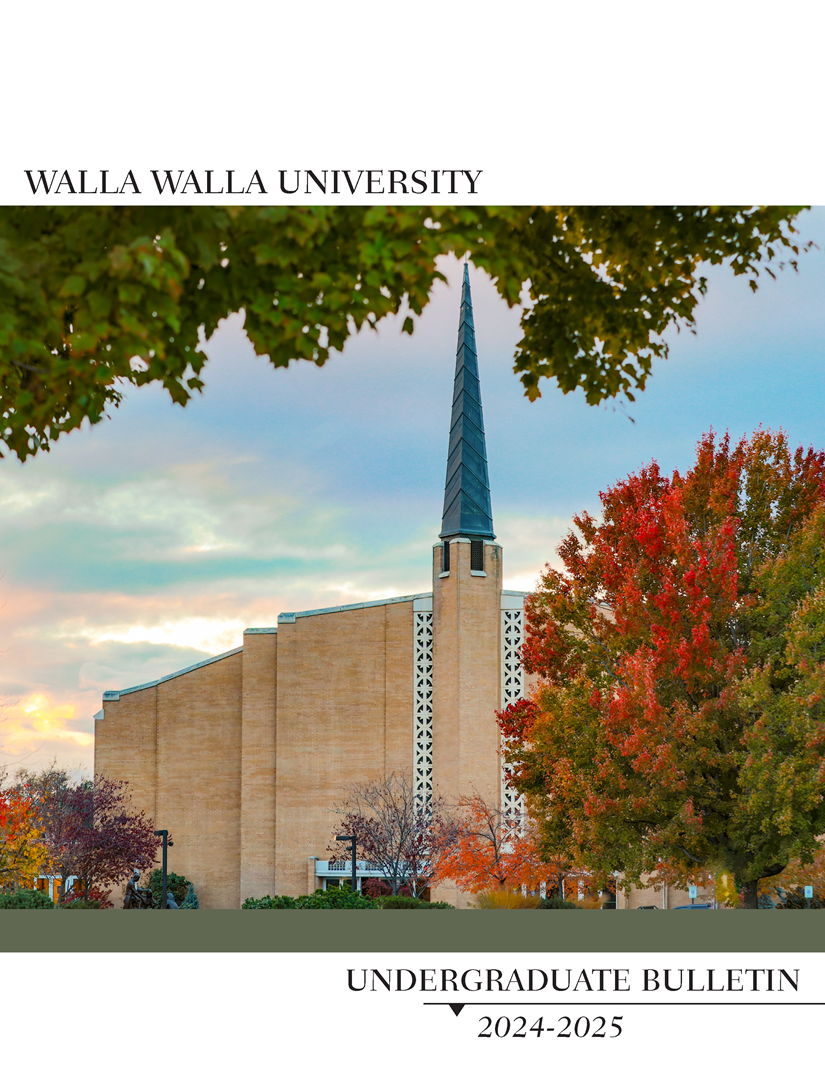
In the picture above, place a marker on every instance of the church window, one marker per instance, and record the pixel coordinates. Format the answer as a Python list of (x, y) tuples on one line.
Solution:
[(512, 690), (423, 712), (476, 555)]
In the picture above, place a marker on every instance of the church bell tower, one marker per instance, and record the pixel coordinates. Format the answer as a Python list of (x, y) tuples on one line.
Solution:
[(467, 597)]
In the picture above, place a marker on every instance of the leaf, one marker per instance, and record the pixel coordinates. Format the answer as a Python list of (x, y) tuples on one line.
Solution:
[(98, 284), (74, 286)]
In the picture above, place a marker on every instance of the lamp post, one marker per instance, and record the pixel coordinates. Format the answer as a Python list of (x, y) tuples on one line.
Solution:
[(167, 841), (349, 838)]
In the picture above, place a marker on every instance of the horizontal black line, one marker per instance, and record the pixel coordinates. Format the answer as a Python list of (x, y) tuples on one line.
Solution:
[(588, 1004)]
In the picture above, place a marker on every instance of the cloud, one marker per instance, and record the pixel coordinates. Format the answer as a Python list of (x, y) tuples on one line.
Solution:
[(213, 635), (34, 730), (529, 544)]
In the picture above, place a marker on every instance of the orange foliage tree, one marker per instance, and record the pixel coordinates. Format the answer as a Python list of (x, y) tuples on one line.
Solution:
[(489, 849), (22, 848)]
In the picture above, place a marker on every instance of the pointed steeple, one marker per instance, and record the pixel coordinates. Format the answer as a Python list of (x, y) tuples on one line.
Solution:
[(467, 508)]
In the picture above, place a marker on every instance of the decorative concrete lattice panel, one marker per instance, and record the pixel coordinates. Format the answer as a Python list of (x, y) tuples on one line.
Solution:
[(423, 711), (512, 690)]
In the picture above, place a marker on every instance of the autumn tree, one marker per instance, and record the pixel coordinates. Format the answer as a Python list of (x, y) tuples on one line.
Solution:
[(94, 298), (48, 793), (89, 827), (22, 850), (489, 848), (395, 832), (680, 721)]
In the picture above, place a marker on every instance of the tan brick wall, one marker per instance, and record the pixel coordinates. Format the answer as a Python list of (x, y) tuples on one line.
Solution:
[(466, 680), (199, 759), (178, 745), (200, 750), (125, 746), (345, 715), (258, 739)]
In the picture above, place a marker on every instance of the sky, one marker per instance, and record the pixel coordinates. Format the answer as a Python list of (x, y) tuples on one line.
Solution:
[(149, 542)]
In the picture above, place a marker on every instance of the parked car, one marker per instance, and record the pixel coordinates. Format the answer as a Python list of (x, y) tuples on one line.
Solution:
[(693, 907)]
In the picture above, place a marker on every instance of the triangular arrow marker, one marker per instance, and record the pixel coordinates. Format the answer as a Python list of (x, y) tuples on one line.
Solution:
[(456, 1007)]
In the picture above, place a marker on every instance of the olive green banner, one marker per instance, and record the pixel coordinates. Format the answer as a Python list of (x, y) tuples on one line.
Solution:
[(430, 931)]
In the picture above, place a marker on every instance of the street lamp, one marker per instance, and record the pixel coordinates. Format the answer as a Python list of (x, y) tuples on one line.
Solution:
[(349, 838), (167, 841)]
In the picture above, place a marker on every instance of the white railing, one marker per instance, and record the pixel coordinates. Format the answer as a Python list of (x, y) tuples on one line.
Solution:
[(362, 867)]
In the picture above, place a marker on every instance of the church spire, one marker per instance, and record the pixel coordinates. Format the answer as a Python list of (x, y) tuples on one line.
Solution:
[(467, 508)]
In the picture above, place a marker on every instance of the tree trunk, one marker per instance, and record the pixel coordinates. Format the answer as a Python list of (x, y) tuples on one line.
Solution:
[(751, 900)]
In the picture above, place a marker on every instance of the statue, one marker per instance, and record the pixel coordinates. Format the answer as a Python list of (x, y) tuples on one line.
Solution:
[(170, 900), (135, 897)]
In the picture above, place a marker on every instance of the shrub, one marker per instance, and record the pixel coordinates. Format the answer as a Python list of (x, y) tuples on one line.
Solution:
[(410, 902), (176, 883), (557, 903), (399, 902), (191, 899), (589, 903), (26, 899), (506, 899), (279, 902), (334, 898), (81, 903)]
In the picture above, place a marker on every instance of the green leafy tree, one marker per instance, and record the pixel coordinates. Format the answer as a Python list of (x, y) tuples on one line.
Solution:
[(680, 724), (93, 298)]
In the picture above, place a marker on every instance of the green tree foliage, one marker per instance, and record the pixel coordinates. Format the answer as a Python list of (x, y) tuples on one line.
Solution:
[(178, 884), (92, 298), (680, 725)]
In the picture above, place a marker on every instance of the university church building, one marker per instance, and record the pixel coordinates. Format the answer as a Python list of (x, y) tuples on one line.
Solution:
[(243, 756)]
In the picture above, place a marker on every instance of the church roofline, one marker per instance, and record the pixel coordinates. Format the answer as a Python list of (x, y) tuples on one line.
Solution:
[(284, 617), (290, 617), (115, 695)]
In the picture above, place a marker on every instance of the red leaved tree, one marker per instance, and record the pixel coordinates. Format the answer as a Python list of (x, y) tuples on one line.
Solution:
[(90, 829), (680, 722)]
